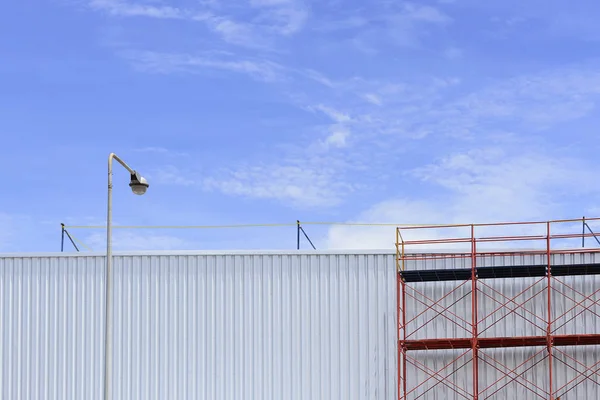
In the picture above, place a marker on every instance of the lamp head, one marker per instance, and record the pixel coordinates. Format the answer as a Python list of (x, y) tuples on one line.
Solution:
[(138, 184)]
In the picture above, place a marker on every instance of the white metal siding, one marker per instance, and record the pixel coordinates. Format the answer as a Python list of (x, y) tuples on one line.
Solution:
[(270, 326), (201, 327)]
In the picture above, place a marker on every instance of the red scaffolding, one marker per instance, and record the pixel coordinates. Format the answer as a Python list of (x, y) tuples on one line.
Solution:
[(463, 282)]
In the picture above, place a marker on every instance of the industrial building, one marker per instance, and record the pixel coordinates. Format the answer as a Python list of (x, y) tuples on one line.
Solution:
[(515, 322)]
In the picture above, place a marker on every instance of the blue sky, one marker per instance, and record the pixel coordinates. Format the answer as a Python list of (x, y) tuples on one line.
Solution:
[(265, 111)]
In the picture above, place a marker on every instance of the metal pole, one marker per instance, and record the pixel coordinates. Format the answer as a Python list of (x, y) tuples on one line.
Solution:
[(108, 287), (307, 238), (583, 232), (108, 298), (404, 363), (298, 235), (62, 237), (71, 239), (474, 344), (549, 338)]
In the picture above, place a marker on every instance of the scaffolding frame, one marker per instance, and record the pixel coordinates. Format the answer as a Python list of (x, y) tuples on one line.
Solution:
[(471, 347)]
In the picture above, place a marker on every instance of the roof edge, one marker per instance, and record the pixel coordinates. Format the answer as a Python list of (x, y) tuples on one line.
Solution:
[(197, 253)]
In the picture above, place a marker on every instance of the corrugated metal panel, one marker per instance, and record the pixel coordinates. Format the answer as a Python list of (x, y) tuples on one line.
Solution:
[(252, 326), (51, 327), (201, 327)]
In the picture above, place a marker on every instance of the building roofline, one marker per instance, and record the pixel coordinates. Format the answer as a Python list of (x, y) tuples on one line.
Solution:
[(259, 252)]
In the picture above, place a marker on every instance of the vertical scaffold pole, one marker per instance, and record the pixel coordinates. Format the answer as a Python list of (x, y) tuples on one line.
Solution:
[(404, 363), (474, 343), (549, 339), (398, 329), (401, 323)]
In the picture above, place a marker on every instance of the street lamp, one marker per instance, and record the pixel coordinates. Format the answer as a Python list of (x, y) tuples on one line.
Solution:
[(138, 185)]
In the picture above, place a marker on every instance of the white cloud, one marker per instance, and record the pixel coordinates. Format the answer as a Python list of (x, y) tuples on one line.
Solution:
[(302, 183), (335, 115), (493, 184), (285, 17), (373, 99), (338, 137), (162, 151), (520, 184), (238, 33), (171, 175), (515, 107), (538, 101), (266, 19), (172, 63), (318, 77), (270, 3), (126, 9), (479, 186), (380, 115), (382, 237)]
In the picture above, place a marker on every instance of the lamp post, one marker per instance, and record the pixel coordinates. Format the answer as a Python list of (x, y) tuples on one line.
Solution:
[(138, 185)]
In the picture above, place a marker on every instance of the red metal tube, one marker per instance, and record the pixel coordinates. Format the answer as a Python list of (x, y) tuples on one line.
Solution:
[(404, 348), (549, 331), (399, 311), (474, 313)]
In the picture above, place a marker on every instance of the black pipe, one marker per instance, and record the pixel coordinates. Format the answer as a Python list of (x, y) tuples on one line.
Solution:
[(583, 233), (307, 238), (71, 239), (62, 237)]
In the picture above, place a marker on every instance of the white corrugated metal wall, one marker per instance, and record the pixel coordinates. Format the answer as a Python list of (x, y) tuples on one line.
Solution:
[(255, 326), (276, 326)]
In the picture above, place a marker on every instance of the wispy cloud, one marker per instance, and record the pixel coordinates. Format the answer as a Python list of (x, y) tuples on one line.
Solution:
[(127, 9), (172, 175), (365, 118), (491, 183), (284, 16), (335, 115), (481, 185), (403, 23), (395, 115), (301, 184), (304, 178), (424, 13), (268, 19), (154, 62), (373, 99), (238, 33), (161, 151)]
